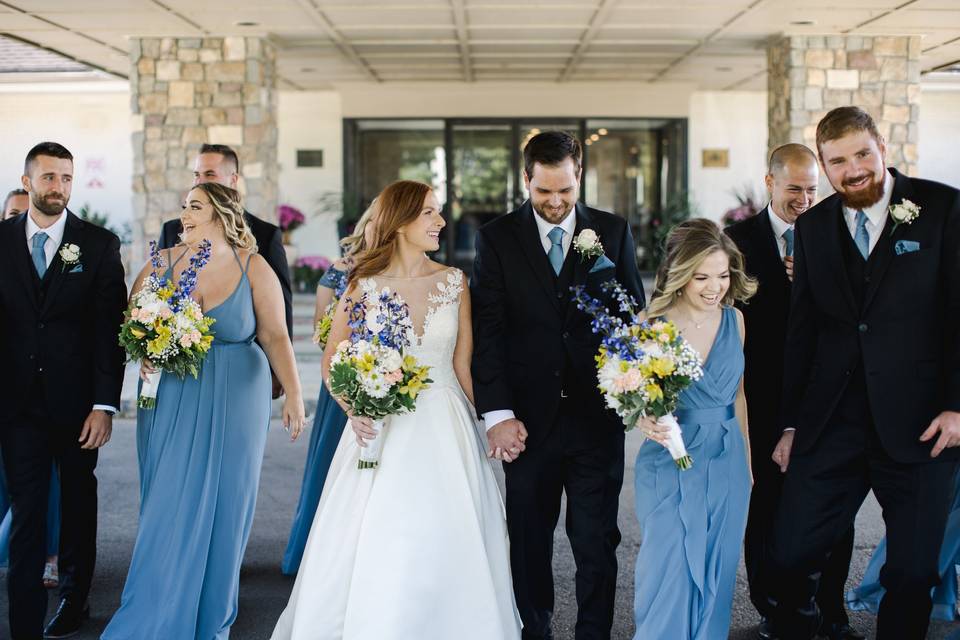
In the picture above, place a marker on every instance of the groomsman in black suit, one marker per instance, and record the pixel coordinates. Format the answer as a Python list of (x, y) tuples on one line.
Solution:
[(766, 241), (872, 379), (535, 382), (62, 297), (219, 163)]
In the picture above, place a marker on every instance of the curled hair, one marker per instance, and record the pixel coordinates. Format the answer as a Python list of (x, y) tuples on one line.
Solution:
[(688, 245), (399, 204), (356, 242), (228, 208)]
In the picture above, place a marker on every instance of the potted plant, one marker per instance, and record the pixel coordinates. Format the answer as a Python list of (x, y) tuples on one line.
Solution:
[(307, 271), (290, 218), (748, 206)]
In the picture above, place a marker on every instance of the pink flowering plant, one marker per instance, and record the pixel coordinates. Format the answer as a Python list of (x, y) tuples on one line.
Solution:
[(290, 217)]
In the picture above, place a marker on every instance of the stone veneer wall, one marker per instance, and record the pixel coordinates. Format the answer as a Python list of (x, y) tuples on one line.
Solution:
[(188, 91), (810, 75)]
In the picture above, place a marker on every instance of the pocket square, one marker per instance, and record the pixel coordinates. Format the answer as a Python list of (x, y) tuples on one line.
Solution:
[(76, 269), (906, 246), (603, 262)]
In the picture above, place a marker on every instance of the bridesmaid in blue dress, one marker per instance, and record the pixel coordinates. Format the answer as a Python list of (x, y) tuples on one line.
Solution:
[(867, 596), (329, 420), (50, 575), (692, 522), (201, 448)]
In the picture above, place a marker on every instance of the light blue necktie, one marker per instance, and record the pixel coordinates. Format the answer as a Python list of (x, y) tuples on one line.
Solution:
[(555, 255), (788, 238), (861, 238), (37, 253)]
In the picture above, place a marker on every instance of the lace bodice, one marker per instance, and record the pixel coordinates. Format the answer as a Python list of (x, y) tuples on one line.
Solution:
[(434, 304)]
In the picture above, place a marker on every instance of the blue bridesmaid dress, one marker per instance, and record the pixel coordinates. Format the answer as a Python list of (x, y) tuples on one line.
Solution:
[(328, 424), (867, 596), (53, 517), (200, 452), (692, 522)]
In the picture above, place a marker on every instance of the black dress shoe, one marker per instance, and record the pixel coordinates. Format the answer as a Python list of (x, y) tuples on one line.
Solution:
[(68, 619), (765, 631), (842, 631)]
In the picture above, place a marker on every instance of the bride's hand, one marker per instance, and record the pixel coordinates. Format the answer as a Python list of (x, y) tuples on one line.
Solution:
[(363, 429), (294, 416), (656, 432), (146, 369)]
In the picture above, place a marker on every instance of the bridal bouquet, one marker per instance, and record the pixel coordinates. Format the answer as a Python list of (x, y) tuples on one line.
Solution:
[(165, 325), (642, 366), (371, 371), (321, 332)]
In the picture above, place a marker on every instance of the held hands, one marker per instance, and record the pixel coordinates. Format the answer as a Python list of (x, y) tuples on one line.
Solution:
[(507, 440), (293, 416), (96, 430), (781, 453), (656, 432), (948, 424)]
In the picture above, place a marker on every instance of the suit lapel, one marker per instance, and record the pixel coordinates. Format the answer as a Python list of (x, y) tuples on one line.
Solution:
[(529, 236), (830, 247), (56, 273), (581, 267), (24, 263), (768, 249), (882, 253)]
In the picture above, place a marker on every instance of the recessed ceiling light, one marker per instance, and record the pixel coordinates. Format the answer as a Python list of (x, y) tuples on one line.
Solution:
[(803, 23), (602, 131), (308, 69), (247, 23), (724, 68), (594, 137)]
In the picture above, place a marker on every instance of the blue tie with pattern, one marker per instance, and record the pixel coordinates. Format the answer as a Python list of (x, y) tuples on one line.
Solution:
[(37, 253), (555, 255), (788, 238), (861, 238)]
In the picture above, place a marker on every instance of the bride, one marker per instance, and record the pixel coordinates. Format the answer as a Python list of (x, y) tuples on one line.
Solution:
[(418, 547)]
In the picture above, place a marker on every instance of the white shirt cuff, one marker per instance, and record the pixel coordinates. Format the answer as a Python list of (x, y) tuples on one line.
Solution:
[(789, 429), (493, 418), (105, 407)]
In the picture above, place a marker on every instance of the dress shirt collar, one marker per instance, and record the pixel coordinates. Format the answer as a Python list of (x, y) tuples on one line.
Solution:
[(779, 224), (569, 225), (54, 232)]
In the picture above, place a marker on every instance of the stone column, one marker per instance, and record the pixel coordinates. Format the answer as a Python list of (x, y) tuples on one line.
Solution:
[(188, 91), (810, 75)]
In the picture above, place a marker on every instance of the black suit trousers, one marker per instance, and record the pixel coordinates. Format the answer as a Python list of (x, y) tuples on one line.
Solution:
[(766, 496), (591, 474), (822, 493), (30, 445)]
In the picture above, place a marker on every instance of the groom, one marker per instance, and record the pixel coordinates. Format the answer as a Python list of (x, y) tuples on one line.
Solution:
[(872, 378), (535, 383), (62, 297)]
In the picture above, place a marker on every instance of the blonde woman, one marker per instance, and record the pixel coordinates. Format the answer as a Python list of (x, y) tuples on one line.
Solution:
[(692, 521), (201, 448), (329, 420)]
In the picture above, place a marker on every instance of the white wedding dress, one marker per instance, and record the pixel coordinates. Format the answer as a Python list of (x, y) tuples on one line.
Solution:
[(418, 547)]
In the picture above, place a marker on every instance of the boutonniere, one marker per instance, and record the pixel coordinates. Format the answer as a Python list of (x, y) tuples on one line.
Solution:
[(587, 243), (70, 255), (904, 213)]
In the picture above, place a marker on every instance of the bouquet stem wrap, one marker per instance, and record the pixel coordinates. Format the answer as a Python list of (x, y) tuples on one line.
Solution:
[(674, 444), (370, 454), (148, 392)]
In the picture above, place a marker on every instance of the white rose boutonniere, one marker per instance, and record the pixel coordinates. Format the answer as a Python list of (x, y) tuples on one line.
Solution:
[(904, 213), (70, 255), (588, 245)]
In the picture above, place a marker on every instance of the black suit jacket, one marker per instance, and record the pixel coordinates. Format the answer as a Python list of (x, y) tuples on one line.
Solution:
[(58, 336), (905, 337), (530, 340), (269, 245), (765, 316)]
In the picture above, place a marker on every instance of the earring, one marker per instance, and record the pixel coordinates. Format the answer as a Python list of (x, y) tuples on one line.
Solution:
[(679, 293)]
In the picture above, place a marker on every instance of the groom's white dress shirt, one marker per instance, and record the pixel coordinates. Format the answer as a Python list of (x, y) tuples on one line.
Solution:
[(54, 238), (569, 225), (876, 214)]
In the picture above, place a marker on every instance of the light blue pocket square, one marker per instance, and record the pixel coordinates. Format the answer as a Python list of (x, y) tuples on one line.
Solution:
[(603, 262), (905, 246), (76, 269)]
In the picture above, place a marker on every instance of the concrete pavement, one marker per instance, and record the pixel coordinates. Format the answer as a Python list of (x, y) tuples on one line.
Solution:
[(263, 591)]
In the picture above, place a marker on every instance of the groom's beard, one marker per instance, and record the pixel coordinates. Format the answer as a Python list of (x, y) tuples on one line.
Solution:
[(864, 198), (551, 216), (46, 204)]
